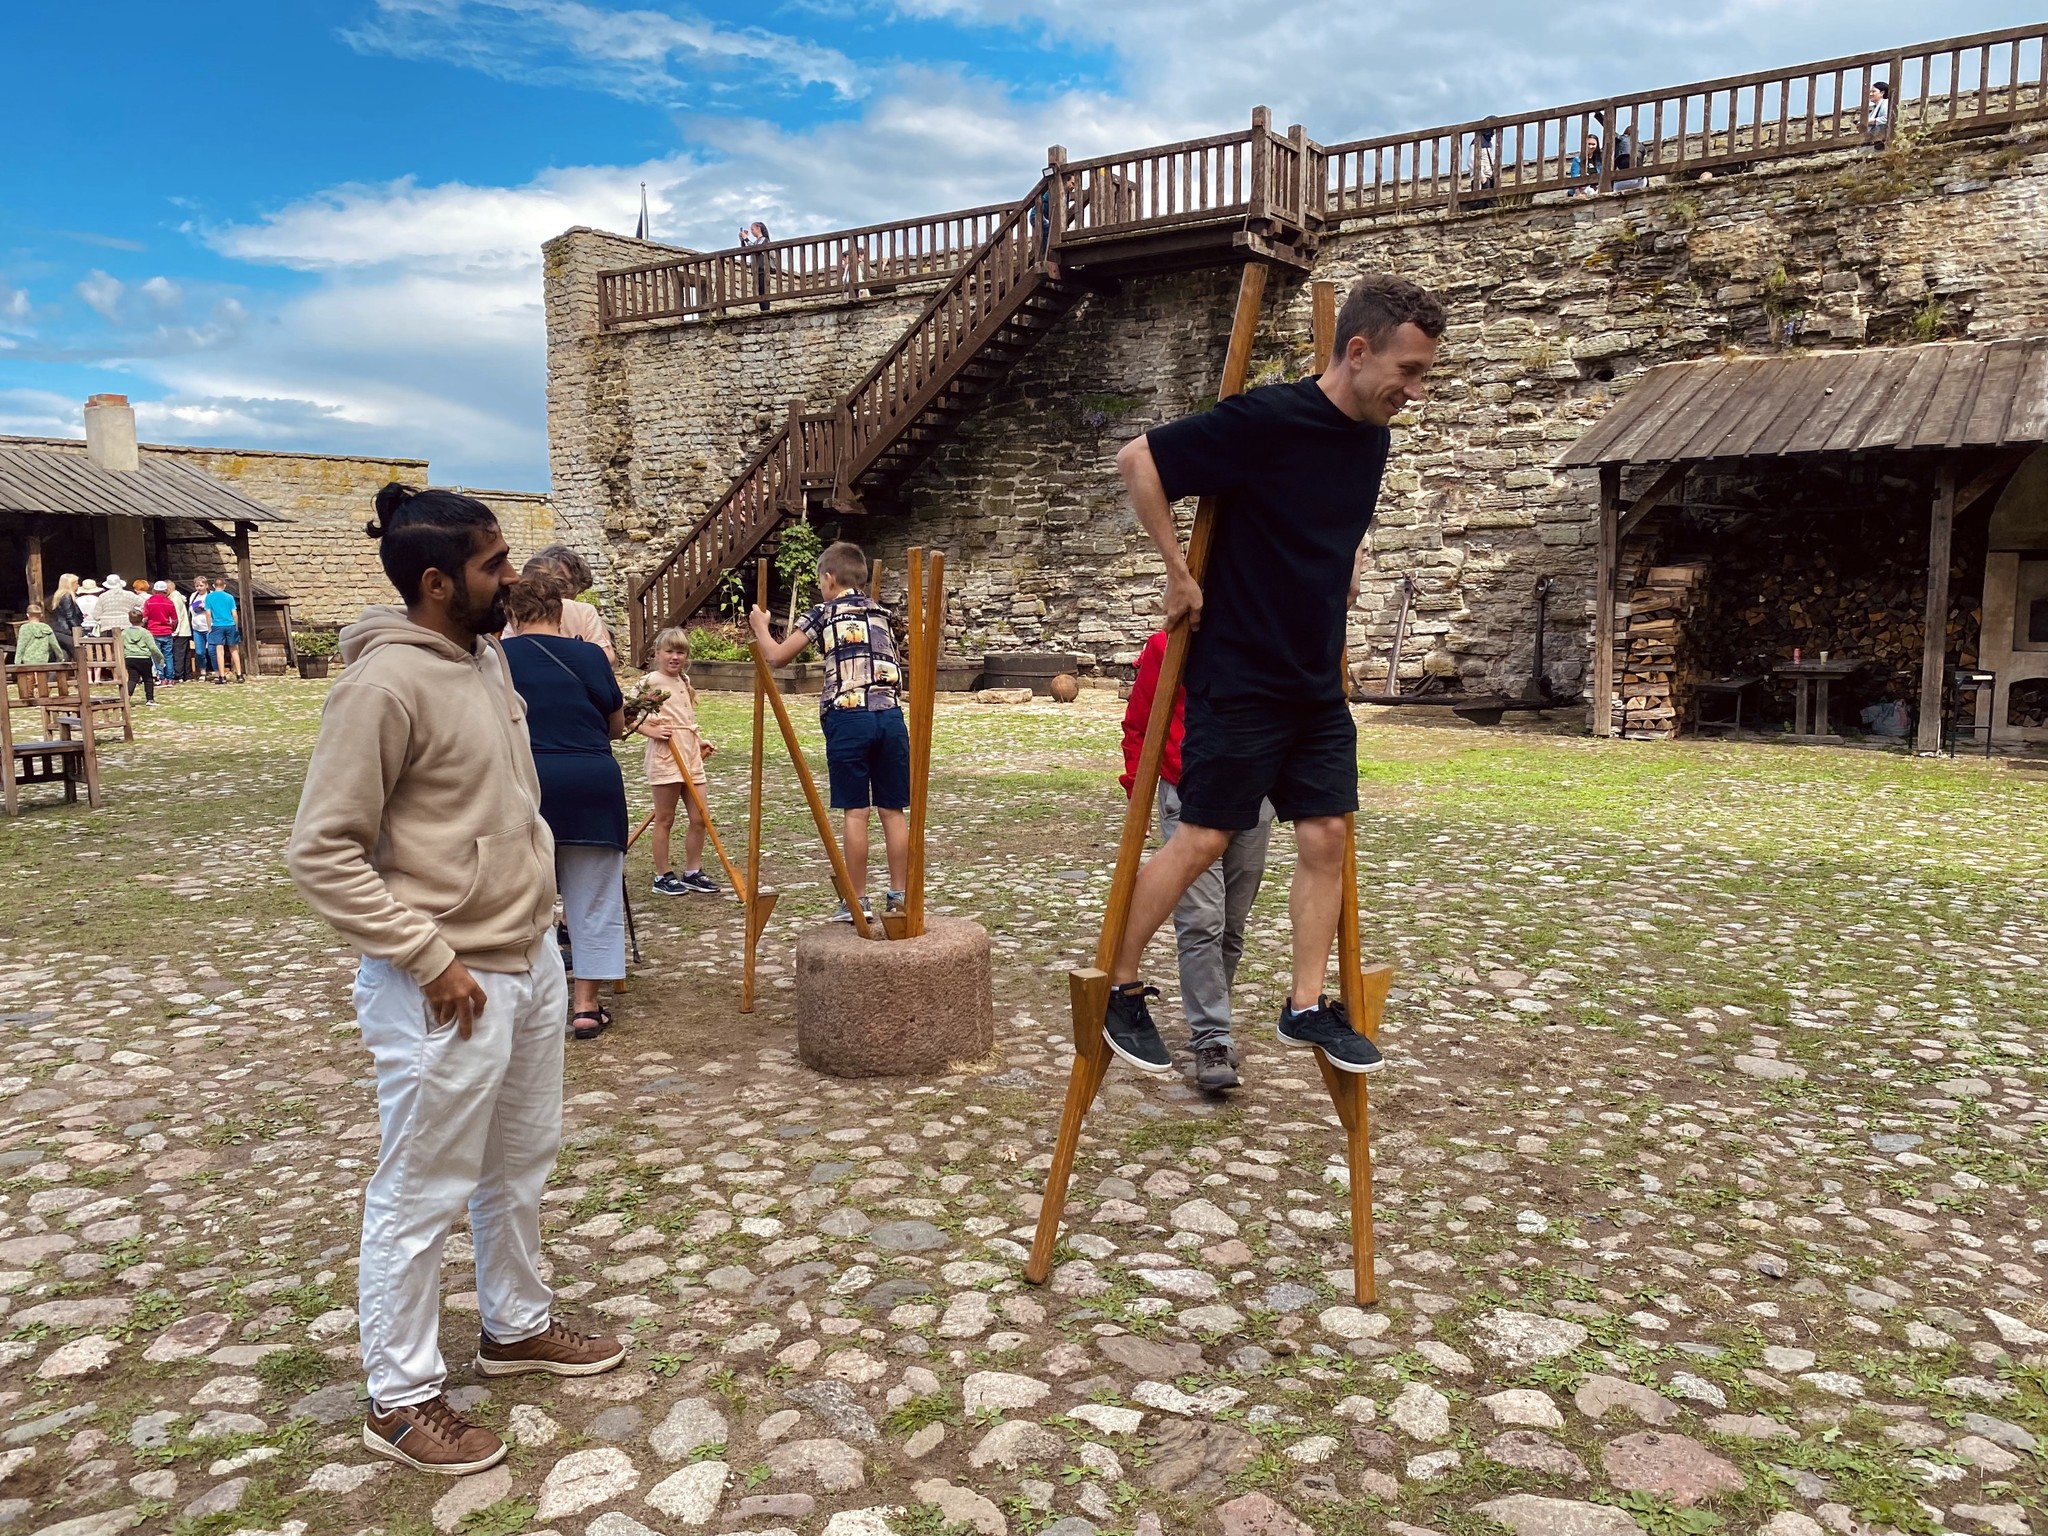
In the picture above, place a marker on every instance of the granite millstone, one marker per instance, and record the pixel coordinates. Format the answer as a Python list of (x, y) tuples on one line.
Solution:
[(908, 1007)]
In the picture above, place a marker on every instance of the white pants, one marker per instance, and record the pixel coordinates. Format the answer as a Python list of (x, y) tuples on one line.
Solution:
[(466, 1123)]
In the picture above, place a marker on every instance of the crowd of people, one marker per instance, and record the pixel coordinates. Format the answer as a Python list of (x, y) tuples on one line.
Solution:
[(166, 635)]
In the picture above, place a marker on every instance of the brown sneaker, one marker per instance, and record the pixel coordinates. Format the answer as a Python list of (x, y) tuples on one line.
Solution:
[(431, 1437), (559, 1352)]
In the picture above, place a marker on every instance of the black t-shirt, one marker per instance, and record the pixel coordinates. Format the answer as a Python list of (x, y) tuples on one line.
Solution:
[(1297, 482)]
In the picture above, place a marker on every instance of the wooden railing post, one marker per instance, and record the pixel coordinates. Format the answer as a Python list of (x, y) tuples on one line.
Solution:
[(1297, 192), (1893, 103), (1056, 202), (1457, 170), (1609, 136), (1257, 200)]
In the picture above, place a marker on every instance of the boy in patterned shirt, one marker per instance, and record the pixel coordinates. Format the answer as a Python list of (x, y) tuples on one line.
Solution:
[(867, 745)]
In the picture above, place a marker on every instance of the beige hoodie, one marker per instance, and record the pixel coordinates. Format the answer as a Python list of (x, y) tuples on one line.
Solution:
[(419, 834)]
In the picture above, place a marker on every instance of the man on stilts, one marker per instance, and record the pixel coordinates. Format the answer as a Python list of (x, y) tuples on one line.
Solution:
[(1296, 471)]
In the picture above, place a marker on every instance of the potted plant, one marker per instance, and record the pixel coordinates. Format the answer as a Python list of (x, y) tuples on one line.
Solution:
[(315, 649)]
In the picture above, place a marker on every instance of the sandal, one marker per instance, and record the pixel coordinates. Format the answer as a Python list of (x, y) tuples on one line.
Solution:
[(601, 1020)]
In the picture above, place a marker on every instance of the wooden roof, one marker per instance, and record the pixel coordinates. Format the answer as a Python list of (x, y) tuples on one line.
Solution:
[(1956, 394), (68, 484)]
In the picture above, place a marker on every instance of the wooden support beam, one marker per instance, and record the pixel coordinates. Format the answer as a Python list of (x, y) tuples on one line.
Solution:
[(1666, 487), (1603, 600), (1934, 641), (252, 648), (32, 567), (1992, 478), (761, 904), (1322, 323), (160, 548)]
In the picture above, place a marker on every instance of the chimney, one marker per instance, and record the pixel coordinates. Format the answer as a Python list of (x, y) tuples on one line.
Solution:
[(110, 433)]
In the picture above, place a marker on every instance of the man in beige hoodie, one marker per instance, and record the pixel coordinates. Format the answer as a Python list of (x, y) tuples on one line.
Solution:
[(419, 837)]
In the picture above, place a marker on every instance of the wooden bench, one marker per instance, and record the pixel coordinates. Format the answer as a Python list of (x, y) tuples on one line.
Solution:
[(64, 751)]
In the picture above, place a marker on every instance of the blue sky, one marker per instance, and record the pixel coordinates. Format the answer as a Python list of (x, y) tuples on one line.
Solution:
[(316, 224)]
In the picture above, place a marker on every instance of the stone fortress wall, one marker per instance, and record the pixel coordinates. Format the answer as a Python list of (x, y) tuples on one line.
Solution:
[(1554, 308)]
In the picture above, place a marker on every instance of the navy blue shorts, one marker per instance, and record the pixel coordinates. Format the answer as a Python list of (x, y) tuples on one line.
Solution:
[(867, 753), (1237, 752)]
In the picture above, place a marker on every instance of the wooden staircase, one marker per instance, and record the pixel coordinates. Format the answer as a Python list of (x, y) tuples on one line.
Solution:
[(958, 349), (1082, 227)]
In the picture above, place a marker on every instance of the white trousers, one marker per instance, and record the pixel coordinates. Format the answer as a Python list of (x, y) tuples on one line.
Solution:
[(469, 1124)]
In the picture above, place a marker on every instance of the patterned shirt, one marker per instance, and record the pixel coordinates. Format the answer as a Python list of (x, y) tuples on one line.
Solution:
[(861, 666)]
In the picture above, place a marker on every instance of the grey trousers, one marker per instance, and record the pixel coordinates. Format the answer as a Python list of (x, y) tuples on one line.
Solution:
[(1208, 925)]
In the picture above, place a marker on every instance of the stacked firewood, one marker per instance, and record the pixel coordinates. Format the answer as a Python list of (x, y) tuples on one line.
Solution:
[(1650, 659)]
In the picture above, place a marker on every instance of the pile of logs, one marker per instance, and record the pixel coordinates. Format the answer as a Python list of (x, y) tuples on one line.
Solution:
[(1650, 661)]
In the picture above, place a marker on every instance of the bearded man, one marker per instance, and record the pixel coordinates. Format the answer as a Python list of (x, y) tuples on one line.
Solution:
[(419, 838)]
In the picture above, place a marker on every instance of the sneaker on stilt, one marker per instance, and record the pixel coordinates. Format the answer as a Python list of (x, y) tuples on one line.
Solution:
[(1129, 1029), (1327, 1028)]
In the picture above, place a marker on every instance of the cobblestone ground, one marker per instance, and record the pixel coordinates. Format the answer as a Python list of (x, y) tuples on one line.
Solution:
[(1710, 1177)]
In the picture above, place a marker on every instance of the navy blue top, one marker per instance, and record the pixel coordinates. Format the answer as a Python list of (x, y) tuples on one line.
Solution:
[(570, 694)]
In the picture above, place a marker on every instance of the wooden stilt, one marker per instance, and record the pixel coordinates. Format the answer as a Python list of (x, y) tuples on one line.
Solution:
[(760, 903), (842, 881), (640, 832), (1089, 989), (739, 886), (923, 689)]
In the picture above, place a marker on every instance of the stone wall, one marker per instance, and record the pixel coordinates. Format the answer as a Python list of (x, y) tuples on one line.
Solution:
[(320, 557), (647, 427), (1554, 309)]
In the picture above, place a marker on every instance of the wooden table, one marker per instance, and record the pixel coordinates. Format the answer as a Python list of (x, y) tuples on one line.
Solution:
[(1810, 681)]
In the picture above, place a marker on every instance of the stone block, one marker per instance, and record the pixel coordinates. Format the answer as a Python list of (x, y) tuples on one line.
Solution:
[(888, 1008)]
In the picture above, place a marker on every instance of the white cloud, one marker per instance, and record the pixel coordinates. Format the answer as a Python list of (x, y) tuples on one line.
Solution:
[(102, 293), (643, 54), (39, 413), (163, 293), (13, 303), (421, 330)]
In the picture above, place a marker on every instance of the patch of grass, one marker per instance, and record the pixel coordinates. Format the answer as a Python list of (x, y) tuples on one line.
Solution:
[(911, 1416), (296, 1371), (499, 1519)]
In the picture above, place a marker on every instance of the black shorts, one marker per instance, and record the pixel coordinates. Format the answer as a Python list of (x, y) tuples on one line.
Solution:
[(1237, 752), (867, 753)]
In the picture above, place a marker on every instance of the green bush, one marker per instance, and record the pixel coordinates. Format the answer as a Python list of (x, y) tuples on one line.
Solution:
[(315, 642), (718, 642)]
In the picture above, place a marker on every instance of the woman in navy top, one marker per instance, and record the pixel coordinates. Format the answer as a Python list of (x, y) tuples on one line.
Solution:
[(574, 712)]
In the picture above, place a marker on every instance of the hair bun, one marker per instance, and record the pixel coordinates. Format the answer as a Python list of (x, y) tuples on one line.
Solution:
[(394, 495)]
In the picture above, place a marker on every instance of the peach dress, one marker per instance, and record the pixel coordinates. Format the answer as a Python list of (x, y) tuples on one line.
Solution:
[(679, 713)]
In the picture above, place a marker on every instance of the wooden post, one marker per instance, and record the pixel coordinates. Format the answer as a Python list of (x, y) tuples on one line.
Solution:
[(897, 925), (1056, 198), (1603, 600), (252, 647), (32, 567), (1088, 989), (160, 547), (1934, 643), (875, 582), (1258, 201), (842, 880), (760, 903)]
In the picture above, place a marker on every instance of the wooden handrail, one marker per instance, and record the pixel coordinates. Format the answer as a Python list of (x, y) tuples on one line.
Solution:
[(838, 264), (1960, 83)]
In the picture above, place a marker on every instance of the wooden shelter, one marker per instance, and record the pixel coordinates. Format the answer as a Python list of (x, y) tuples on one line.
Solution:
[(111, 507), (1971, 412)]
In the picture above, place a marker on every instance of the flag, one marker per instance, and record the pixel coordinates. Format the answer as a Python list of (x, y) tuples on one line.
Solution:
[(640, 233)]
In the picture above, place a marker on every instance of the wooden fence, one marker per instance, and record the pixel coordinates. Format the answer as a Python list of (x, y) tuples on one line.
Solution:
[(1957, 85)]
